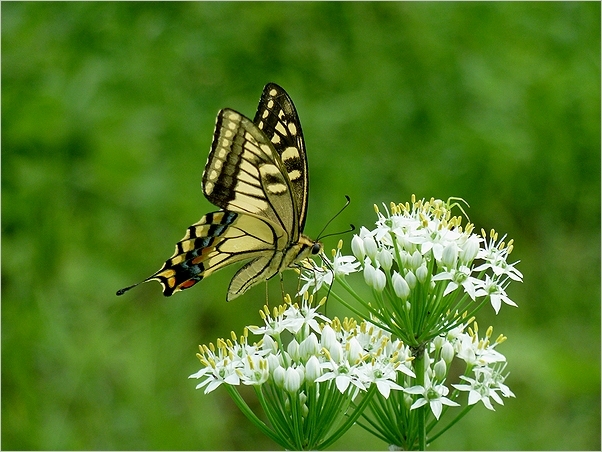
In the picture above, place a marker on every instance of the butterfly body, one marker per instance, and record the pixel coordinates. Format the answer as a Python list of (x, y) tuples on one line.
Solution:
[(256, 173)]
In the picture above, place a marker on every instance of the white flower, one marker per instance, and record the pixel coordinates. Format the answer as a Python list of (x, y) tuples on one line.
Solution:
[(224, 372), (343, 373), (256, 370), (477, 352), (344, 265), (434, 395), (484, 386), (296, 317), (496, 292), (459, 277), (495, 255), (381, 374)]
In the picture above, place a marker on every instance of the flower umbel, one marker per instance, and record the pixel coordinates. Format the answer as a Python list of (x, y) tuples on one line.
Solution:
[(429, 274), (307, 370)]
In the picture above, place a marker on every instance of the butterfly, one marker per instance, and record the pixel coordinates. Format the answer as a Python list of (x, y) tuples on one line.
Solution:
[(256, 173)]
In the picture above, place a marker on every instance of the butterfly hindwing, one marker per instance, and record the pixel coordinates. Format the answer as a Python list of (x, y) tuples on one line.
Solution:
[(218, 239)]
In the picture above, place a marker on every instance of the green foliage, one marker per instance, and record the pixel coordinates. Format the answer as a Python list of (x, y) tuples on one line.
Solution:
[(107, 118)]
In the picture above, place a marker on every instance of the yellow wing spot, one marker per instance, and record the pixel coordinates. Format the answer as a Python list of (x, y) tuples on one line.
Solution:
[(276, 139), (265, 114), (269, 169), (168, 273), (280, 128), (209, 187), (187, 246), (277, 188), (270, 104), (290, 153), (232, 126), (292, 128), (222, 154), (273, 92), (228, 133), (294, 175)]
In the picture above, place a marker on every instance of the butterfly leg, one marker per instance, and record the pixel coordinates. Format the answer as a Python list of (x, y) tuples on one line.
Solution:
[(281, 284)]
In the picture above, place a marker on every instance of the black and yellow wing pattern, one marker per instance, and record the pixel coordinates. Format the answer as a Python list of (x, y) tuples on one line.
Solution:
[(256, 173)]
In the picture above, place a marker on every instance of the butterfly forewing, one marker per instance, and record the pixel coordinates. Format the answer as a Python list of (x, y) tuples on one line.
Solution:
[(277, 117), (245, 174)]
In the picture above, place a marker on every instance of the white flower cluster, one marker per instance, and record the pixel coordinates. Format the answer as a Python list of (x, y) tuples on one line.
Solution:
[(351, 355), (422, 246), (482, 360)]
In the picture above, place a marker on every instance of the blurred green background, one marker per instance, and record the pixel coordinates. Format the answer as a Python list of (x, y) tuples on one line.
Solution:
[(107, 117)]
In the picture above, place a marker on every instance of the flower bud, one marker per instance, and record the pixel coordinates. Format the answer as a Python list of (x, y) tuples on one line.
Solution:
[(354, 351), (293, 349), (422, 273), (407, 400), (380, 280), (410, 279), (312, 369), (416, 260), (447, 352), (336, 352), (309, 347), (269, 344), (450, 255), (470, 249), (357, 247), (292, 380), (301, 371), (440, 370), (400, 286), (278, 376), (328, 337), (273, 362), (385, 259), (370, 246)]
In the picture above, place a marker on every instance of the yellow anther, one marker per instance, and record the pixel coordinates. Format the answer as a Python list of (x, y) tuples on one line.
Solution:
[(489, 332)]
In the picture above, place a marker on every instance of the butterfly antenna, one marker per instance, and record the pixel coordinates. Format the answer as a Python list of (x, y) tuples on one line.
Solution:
[(320, 236)]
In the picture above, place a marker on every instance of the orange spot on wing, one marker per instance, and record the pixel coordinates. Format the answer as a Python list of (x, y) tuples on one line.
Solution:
[(188, 284)]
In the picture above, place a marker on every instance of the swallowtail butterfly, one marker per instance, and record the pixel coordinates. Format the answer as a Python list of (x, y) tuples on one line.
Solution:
[(256, 173)]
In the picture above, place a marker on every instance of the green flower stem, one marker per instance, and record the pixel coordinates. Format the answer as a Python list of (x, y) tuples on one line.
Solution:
[(359, 409), (383, 319), (421, 412), (456, 419), (242, 405)]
